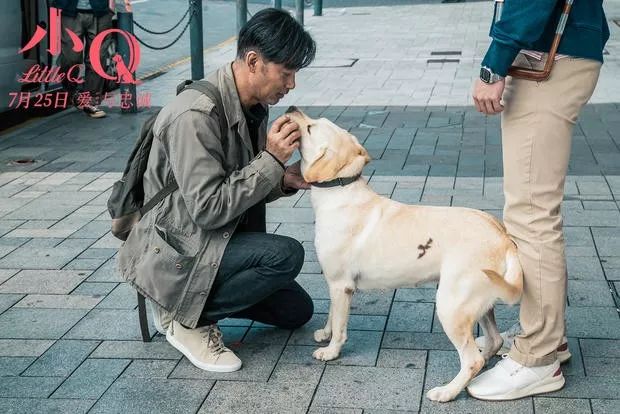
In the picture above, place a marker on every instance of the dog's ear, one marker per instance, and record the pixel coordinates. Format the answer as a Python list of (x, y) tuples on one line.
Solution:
[(323, 168), (362, 151), (354, 161)]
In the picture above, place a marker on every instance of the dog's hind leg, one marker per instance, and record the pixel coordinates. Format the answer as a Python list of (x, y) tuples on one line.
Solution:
[(492, 339), (340, 294), (457, 318)]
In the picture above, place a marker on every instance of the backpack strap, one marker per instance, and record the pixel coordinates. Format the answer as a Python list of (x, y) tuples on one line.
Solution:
[(170, 188), (206, 88)]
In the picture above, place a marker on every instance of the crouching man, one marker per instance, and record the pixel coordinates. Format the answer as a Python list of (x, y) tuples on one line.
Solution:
[(203, 254)]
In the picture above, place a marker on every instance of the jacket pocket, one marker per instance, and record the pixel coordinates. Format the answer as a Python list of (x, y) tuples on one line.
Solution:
[(163, 272)]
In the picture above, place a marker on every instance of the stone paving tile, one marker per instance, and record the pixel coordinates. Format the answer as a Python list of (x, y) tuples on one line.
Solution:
[(149, 368), (601, 367), (584, 268), (416, 340), (59, 301), (34, 387), (44, 281), (289, 389), (271, 336), (33, 405), (107, 324), (561, 405), (8, 300), (375, 302), (411, 316), (61, 359), (96, 289), (122, 297), (597, 322), (600, 348), (6, 274), (91, 379), (590, 387), (39, 258), (24, 347), (136, 350), (604, 406), (402, 358), (370, 388), (143, 395), (14, 366), (332, 410), (589, 293), (22, 323), (106, 273)]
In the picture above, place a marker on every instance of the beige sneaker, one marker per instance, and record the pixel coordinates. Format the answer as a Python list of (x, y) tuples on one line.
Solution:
[(203, 347), (509, 338), (161, 318)]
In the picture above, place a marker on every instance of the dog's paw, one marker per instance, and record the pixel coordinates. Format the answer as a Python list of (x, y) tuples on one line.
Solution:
[(441, 394), (321, 335), (325, 354)]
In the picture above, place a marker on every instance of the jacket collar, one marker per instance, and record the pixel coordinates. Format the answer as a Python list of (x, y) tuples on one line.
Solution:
[(336, 182), (235, 116)]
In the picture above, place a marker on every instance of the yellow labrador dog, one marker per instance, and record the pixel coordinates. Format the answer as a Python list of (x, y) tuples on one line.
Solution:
[(366, 241)]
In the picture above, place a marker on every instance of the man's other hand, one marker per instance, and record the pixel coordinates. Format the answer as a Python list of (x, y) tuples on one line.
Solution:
[(283, 138), (487, 96), (293, 178)]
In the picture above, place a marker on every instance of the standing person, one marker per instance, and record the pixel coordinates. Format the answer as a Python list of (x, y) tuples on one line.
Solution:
[(202, 254), (537, 120), (85, 18)]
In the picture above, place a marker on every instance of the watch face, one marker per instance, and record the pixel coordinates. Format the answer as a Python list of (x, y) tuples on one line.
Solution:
[(485, 75)]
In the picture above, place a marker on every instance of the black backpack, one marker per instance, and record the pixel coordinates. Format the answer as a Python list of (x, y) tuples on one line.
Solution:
[(126, 203)]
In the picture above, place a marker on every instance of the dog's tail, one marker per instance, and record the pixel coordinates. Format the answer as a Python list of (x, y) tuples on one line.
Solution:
[(510, 285)]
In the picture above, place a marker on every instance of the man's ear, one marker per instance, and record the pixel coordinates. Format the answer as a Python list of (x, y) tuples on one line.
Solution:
[(321, 169), (251, 60)]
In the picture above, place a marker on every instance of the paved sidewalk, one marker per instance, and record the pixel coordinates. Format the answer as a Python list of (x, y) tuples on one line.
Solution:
[(69, 339)]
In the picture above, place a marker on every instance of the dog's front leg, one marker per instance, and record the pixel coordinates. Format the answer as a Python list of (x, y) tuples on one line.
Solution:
[(340, 294), (325, 334)]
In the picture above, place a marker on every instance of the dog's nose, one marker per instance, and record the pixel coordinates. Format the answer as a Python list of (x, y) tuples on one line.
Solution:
[(292, 108)]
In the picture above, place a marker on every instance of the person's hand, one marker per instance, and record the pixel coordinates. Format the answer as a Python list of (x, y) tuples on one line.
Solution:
[(283, 138), (293, 178), (487, 96)]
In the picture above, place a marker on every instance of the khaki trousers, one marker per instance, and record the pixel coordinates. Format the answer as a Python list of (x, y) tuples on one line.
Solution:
[(537, 124)]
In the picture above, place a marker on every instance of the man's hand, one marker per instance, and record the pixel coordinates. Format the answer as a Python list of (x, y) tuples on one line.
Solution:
[(293, 178), (283, 138), (487, 96)]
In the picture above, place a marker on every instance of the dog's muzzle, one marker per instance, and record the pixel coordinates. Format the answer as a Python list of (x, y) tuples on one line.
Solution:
[(292, 108)]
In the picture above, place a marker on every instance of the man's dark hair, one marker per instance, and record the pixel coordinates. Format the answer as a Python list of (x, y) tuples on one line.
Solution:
[(278, 38)]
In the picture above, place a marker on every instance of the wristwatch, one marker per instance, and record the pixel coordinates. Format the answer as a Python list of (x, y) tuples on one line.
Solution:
[(487, 75)]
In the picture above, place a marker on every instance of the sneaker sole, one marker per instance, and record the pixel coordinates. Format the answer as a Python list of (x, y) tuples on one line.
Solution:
[(201, 365), (548, 385)]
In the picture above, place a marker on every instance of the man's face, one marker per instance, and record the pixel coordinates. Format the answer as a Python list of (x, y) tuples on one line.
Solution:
[(272, 81)]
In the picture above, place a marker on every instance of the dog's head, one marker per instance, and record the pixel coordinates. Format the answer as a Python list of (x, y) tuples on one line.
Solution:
[(327, 151)]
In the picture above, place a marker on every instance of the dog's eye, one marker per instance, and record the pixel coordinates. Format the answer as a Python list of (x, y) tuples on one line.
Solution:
[(309, 128)]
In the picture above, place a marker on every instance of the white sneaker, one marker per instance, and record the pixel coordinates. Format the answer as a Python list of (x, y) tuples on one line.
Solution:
[(509, 338), (161, 318), (203, 347), (509, 380)]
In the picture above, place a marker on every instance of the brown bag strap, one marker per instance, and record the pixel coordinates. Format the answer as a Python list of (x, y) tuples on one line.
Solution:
[(541, 75)]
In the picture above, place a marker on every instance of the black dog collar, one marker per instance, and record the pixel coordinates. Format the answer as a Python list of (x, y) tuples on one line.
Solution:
[(336, 182)]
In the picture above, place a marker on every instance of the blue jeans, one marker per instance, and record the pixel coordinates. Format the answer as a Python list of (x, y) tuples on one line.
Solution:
[(256, 280)]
